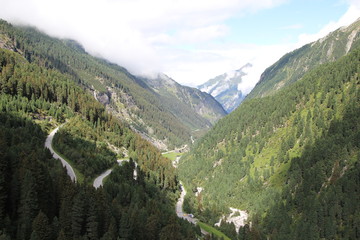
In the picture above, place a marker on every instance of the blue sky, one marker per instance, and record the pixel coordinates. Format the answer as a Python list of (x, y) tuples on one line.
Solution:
[(284, 23), (189, 40)]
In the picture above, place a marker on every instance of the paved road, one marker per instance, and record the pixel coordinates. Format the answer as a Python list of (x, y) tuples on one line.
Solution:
[(48, 144), (180, 212), (179, 207), (98, 182)]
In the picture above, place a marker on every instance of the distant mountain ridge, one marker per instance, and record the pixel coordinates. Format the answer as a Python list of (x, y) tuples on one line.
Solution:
[(225, 88), (202, 103), (292, 66)]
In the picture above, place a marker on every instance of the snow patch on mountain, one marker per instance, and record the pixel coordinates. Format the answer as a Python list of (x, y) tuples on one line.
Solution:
[(209, 88), (229, 88), (219, 89)]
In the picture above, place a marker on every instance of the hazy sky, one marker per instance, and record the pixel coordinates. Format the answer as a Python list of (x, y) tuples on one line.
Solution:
[(189, 40)]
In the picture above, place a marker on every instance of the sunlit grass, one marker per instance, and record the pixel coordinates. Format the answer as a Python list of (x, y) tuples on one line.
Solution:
[(212, 230), (172, 155)]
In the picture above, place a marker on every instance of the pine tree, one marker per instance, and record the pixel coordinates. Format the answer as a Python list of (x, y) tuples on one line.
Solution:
[(125, 229), (34, 236), (171, 231), (152, 226), (55, 226), (62, 235), (4, 236), (78, 215), (92, 221), (41, 226), (65, 218), (28, 206), (112, 232), (3, 174)]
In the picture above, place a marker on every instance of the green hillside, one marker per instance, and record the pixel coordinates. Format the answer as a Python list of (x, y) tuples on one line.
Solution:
[(128, 97), (278, 155), (37, 198)]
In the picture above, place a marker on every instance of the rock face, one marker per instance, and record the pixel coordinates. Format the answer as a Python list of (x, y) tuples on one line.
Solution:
[(225, 88), (186, 98), (6, 43), (102, 97), (237, 217)]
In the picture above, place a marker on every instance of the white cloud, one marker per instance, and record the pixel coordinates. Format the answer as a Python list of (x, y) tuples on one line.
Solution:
[(172, 36), (202, 34), (194, 67), (351, 15), (137, 34)]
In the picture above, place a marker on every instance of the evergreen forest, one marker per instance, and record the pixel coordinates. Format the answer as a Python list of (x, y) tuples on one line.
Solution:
[(37, 198), (291, 159)]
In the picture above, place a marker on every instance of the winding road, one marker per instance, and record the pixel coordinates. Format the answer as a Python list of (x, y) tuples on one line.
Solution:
[(180, 212), (48, 144), (98, 182), (179, 207), (70, 171)]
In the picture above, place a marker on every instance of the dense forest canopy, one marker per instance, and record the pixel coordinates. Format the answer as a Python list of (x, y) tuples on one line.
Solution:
[(37, 198), (290, 159)]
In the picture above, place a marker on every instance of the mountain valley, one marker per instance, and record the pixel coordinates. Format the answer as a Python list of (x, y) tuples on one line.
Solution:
[(282, 162), (128, 97)]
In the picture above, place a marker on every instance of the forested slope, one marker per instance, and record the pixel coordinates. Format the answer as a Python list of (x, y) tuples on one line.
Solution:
[(37, 198), (182, 98), (127, 96), (290, 159)]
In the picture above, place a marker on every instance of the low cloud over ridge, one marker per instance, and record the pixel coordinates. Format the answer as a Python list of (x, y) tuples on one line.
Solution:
[(184, 39)]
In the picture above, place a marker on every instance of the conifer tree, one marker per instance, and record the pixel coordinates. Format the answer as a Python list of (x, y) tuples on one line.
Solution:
[(91, 220), (78, 214), (62, 235), (3, 174), (41, 227), (28, 206)]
